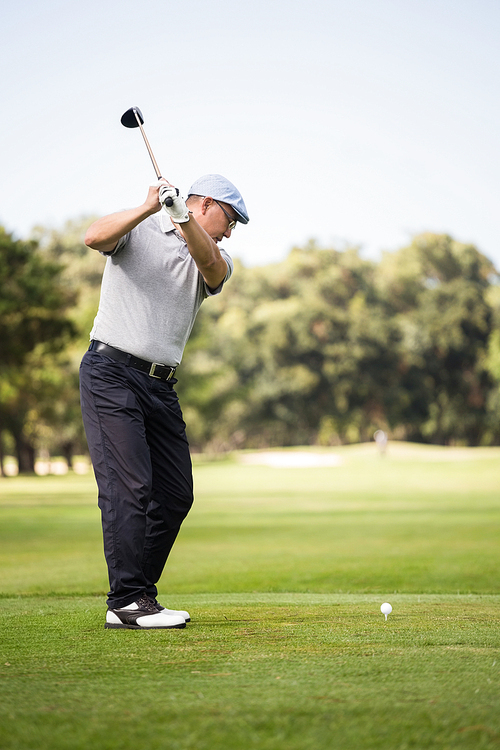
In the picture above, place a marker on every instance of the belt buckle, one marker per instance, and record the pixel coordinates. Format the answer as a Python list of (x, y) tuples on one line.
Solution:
[(152, 369)]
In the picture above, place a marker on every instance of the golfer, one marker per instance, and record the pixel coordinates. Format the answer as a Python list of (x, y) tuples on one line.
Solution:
[(161, 265)]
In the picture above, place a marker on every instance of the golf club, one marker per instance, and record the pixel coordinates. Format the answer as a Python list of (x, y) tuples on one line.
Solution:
[(133, 118)]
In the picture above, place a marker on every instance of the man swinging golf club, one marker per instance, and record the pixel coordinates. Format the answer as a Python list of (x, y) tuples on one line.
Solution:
[(161, 265)]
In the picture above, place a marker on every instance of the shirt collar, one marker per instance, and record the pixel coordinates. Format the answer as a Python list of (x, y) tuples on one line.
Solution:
[(165, 222)]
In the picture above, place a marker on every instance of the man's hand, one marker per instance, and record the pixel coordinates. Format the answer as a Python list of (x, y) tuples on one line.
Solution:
[(178, 211)]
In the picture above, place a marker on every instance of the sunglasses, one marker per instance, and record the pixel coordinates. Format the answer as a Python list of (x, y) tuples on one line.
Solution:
[(232, 222)]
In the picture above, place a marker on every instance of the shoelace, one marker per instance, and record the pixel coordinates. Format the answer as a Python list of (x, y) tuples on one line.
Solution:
[(144, 602)]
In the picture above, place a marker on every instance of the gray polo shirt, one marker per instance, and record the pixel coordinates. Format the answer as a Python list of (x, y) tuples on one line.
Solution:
[(151, 292)]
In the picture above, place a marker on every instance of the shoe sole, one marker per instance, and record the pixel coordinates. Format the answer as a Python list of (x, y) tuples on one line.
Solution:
[(123, 626)]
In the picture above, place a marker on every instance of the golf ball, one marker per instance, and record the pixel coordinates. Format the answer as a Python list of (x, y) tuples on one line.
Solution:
[(386, 608)]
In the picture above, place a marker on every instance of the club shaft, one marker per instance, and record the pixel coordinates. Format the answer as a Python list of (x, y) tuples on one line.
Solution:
[(155, 165)]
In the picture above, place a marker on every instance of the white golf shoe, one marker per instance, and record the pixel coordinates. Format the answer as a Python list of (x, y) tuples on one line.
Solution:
[(143, 614)]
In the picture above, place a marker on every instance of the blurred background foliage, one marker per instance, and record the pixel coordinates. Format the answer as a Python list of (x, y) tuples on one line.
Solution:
[(322, 348)]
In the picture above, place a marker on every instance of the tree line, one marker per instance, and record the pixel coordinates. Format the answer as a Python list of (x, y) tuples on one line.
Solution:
[(323, 348)]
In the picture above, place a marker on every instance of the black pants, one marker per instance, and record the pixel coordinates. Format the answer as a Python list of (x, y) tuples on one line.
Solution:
[(140, 454)]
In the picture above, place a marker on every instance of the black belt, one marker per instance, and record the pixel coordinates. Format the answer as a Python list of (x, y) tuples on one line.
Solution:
[(155, 369)]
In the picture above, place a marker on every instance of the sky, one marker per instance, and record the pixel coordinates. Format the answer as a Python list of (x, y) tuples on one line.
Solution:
[(347, 122)]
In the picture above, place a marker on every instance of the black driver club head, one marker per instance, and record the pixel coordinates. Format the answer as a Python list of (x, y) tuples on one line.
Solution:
[(132, 118)]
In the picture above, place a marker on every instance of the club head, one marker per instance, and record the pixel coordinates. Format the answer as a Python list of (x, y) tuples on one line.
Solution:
[(129, 118)]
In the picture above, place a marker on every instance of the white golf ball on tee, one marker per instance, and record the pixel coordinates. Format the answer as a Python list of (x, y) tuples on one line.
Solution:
[(386, 609)]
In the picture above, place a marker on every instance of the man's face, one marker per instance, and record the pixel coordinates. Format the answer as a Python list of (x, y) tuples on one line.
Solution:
[(216, 218)]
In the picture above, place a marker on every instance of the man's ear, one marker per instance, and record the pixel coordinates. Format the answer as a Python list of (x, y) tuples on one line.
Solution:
[(206, 203)]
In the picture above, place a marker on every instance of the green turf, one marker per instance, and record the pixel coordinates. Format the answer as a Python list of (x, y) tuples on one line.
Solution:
[(283, 571)]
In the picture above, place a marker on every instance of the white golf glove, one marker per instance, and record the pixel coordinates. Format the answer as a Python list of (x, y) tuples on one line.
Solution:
[(178, 211)]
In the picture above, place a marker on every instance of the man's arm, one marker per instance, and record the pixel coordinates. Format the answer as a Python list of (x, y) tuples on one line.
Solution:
[(204, 252), (103, 234), (201, 245)]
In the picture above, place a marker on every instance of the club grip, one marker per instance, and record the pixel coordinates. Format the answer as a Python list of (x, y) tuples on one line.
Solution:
[(168, 201)]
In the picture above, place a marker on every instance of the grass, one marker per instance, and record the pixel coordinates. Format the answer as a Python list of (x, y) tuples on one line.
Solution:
[(283, 571)]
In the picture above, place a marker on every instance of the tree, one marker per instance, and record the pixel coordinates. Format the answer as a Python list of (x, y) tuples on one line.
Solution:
[(437, 291), (326, 347), (57, 419), (33, 321), (298, 352)]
